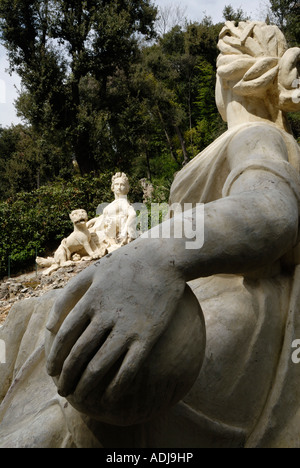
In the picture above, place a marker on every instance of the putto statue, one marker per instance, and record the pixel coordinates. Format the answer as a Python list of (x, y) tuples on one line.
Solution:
[(184, 347)]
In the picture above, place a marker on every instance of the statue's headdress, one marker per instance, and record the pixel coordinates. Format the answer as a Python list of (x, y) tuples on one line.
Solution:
[(250, 55), (254, 57)]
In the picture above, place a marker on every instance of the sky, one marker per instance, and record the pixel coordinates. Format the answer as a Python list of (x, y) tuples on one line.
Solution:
[(194, 10)]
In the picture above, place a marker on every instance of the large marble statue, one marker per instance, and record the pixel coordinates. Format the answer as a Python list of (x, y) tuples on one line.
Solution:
[(123, 333)]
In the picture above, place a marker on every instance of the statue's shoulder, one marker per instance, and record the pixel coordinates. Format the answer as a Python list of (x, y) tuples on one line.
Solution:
[(261, 138), (262, 129)]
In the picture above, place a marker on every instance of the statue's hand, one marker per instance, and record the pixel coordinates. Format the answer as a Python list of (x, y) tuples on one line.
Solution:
[(108, 319)]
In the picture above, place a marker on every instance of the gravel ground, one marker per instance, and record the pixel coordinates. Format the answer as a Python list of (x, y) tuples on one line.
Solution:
[(34, 284)]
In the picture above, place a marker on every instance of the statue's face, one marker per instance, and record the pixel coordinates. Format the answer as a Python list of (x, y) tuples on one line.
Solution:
[(120, 187), (79, 217)]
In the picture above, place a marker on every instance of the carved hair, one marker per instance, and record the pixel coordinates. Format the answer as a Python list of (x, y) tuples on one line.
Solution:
[(120, 175), (250, 55)]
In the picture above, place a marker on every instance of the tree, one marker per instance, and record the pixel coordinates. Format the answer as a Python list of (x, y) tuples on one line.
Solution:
[(168, 80), (27, 161), (170, 16), (229, 14), (286, 14), (54, 45), (193, 48)]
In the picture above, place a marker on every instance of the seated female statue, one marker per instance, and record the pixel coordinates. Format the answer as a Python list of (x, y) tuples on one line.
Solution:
[(105, 325)]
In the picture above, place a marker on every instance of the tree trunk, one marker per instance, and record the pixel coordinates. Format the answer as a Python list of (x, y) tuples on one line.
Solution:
[(168, 138), (148, 166), (183, 147), (80, 141), (83, 153)]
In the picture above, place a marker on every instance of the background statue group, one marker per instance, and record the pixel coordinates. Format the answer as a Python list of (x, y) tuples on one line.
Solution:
[(97, 237), (160, 346)]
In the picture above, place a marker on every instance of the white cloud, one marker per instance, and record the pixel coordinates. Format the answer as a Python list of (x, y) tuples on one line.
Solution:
[(196, 9)]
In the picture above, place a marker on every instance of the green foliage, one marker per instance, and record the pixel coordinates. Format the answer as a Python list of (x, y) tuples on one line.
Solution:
[(92, 94), (230, 14), (27, 160), (169, 82), (209, 124), (55, 46), (286, 14), (294, 120)]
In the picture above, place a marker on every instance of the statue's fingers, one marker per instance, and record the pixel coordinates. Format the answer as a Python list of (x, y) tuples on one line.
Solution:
[(71, 329), (127, 371), (80, 356), (102, 365), (67, 300)]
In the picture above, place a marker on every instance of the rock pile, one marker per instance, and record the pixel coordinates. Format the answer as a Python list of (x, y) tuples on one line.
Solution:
[(34, 285)]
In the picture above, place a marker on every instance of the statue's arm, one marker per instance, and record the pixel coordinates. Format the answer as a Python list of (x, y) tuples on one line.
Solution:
[(255, 225), (91, 223), (257, 219), (122, 304), (129, 230)]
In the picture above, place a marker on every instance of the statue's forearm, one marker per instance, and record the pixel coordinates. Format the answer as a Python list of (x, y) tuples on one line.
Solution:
[(241, 233)]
